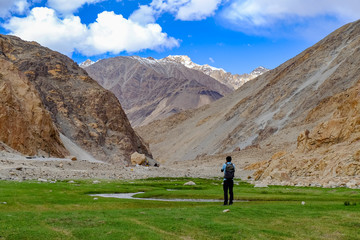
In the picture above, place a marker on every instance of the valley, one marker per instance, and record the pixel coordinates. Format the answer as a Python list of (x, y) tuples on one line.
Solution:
[(297, 124)]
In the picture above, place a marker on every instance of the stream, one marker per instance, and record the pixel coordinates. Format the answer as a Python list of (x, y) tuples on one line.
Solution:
[(131, 196)]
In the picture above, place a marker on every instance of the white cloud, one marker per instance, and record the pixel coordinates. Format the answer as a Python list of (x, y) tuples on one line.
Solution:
[(305, 19), (7, 7), (211, 59), (110, 33), (144, 15), (197, 9), (113, 33), (186, 10), (265, 13), (42, 25), (69, 6)]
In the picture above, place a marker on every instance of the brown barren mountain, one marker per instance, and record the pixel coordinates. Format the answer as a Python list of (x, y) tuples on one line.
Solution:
[(85, 113), (151, 89), (328, 152), (25, 125), (271, 111)]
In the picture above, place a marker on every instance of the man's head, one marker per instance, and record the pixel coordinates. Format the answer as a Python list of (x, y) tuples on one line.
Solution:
[(228, 158)]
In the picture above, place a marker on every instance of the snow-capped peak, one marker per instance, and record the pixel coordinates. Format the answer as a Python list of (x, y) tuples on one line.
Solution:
[(233, 81), (86, 63), (183, 59), (186, 61), (259, 70)]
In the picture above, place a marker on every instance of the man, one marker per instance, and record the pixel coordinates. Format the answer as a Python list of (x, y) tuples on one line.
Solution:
[(229, 169)]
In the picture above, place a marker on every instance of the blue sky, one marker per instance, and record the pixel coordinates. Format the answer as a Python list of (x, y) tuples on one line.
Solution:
[(236, 35)]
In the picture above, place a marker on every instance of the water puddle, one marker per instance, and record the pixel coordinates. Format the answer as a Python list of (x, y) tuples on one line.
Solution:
[(131, 196)]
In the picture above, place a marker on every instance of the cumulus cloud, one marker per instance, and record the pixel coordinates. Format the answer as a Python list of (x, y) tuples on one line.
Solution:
[(110, 33), (42, 25), (186, 10), (69, 6), (265, 13), (8, 7), (113, 33)]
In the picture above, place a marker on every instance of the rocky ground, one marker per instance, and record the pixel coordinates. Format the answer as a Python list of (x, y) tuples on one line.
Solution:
[(16, 167)]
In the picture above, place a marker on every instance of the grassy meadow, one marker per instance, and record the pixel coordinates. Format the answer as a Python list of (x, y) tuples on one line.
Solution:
[(63, 210)]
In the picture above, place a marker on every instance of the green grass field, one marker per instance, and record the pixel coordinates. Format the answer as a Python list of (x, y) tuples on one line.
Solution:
[(62, 210)]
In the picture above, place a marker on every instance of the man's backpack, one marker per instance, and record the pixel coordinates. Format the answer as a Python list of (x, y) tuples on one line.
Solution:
[(229, 171)]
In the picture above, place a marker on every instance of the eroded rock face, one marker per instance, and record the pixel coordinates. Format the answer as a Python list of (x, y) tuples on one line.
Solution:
[(328, 151), (25, 125), (82, 110)]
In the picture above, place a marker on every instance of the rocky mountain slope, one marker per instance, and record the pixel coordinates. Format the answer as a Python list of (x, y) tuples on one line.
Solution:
[(86, 115), (270, 112), (25, 125), (329, 152), (233, 81), (150, 89)]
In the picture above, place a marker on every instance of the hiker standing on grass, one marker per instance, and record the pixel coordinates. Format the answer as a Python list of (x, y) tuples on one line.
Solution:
[(229, 169)]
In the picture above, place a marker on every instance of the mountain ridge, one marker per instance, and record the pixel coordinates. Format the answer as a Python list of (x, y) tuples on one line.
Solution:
[(233, 81), (149, 89)]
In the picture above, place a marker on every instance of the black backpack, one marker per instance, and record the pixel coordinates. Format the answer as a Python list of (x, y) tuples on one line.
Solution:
[(229, 171)]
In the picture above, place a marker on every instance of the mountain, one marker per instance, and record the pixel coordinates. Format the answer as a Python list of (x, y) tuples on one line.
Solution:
[(86, 116), (25, 125), (233, 81), (311, 100), (86, 63), (330, 151), (151, 89)]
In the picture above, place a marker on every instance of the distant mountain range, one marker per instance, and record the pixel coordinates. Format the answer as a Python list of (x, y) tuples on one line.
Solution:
[(231, 80), (151, 89)]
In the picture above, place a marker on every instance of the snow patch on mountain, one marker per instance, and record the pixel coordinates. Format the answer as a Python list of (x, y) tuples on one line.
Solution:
[(233, 81), (86, 63)]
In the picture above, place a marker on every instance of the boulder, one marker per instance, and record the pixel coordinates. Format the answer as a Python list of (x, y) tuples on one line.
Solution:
[(138, 159), (190, 183)]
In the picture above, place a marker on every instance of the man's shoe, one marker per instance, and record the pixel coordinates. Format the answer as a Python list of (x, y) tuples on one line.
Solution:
[(231, 203), (225, 204)]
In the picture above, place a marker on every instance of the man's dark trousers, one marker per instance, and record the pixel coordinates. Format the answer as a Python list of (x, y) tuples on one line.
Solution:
[(228, 186)]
